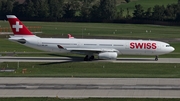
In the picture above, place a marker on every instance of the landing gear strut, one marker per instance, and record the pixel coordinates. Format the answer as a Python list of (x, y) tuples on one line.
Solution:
[(156, 58), (87, 58)]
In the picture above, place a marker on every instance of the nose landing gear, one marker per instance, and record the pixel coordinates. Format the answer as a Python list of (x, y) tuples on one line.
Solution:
[(156, 58)]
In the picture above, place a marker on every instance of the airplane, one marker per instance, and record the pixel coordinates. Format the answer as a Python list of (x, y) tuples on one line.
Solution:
[(104, 48)]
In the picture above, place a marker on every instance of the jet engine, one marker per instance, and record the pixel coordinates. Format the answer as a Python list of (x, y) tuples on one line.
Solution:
[(108, 55)]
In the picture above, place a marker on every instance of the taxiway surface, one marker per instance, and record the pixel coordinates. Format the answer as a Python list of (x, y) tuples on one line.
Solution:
[(90, 87), (68, 59)]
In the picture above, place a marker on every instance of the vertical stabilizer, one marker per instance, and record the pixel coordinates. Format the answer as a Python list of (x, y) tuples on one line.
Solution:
[(17, 26)]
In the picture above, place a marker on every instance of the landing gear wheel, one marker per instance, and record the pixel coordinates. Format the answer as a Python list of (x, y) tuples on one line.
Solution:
[(86, 58), (91, 58), (156, 58)]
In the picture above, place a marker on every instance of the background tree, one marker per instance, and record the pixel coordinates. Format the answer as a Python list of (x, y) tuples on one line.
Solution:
[(0, 6), (29, 7), (127, 1), (128, 16), (119, 14), (19, 9), (70, 8), (148, 14), (56, 8), (177, 10), (95, 15), (138, 12), (107, 9), (170, 13), (86, 9), (95, 10), (158, 12), (6, 7), (42, 8)]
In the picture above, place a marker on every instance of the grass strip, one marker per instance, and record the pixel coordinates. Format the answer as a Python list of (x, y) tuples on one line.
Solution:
[(92, 69)]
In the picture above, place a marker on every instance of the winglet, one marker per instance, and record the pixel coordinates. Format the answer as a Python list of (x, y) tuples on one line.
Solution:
[(17, 26), (70, 36)]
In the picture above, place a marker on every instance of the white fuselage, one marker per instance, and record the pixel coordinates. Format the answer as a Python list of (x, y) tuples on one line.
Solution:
[(132, 47), (105, 48)]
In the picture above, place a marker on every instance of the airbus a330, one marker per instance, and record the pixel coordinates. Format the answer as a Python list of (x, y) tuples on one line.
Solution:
[(103, 48)]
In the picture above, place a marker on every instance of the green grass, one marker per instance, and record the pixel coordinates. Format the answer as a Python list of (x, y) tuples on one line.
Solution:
[(104, 30), (89, 99), (145, 3), (94, 69), (9, 46)]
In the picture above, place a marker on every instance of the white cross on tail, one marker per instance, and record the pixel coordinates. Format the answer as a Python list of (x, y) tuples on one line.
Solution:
[(17, 26)]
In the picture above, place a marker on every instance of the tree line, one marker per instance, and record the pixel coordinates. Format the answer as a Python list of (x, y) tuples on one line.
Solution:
[(171, 12), (86, 10)]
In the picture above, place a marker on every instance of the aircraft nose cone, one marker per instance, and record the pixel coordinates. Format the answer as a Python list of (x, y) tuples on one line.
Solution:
[(169, 49), (172, 49)]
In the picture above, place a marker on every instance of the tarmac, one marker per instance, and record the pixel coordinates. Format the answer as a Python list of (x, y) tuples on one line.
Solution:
[(68, 59), (90, 87)]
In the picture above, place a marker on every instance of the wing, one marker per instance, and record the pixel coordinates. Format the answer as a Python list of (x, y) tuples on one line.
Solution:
[(91, 50)]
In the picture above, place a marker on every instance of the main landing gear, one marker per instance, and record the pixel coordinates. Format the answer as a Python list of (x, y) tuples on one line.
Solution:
[(89, 58), (156, 58)]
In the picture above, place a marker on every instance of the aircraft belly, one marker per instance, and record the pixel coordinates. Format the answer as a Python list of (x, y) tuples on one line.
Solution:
[(138, 52), (33, 46)]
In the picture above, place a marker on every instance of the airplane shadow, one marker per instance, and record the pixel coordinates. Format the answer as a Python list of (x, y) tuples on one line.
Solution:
[(60, 55), (129, 59), (72, 59), (52, 63), (80, 59)]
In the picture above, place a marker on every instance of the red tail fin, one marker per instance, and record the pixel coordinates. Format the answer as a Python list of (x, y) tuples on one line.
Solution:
[(17, 26), (70, 36)]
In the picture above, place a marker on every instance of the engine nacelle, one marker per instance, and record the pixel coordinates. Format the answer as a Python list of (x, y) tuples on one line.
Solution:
[(108, 55)]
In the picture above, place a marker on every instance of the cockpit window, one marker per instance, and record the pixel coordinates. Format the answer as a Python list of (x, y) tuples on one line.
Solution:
[(168, 46)]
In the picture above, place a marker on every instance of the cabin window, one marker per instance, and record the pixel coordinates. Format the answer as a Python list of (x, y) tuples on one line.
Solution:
[(105, 44), (168, 46), (90, 44), (117, 45)]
